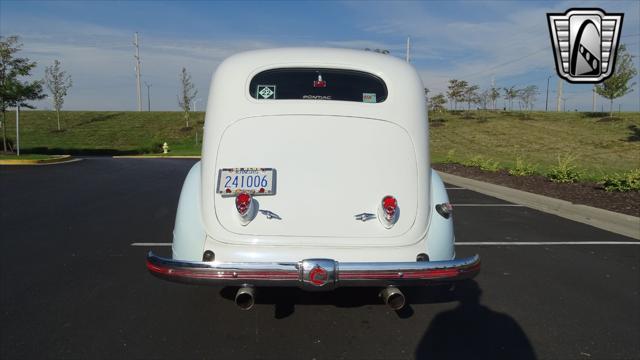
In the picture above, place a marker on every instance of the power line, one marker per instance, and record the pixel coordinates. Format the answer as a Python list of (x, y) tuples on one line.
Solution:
[(505, 63), (519, 59)]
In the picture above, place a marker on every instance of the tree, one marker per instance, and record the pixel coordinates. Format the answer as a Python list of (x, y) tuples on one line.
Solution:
[(510, 94), (188, 93), (528, 96), (485, 98), (470, 94), (494, 94), (437, 102), (456, 91), (58, 83), (618, 84), (13, 91)]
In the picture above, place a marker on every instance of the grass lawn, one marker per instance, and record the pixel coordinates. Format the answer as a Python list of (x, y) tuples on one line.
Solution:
[(25, 157), (601, 146), (108, 133)]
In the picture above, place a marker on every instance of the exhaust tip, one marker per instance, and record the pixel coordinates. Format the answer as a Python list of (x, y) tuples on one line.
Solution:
[(245, 298), (393, 297)]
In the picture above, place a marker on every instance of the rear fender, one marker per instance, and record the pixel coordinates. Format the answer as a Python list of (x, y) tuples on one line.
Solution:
[(440, 237), (188, 233)]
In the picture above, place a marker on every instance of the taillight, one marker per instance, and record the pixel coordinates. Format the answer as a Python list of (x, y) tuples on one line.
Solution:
[(243, 203), (444, 209), (388, 211)]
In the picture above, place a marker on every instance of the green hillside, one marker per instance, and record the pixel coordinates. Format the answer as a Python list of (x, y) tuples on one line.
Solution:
[(601, 145)]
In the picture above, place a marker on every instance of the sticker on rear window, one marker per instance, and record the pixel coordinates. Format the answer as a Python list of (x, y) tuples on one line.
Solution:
[(369, 97), (266, 92)]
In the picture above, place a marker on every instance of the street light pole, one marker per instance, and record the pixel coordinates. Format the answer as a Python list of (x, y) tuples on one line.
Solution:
[(18, 130), (546, 103), (194, 102)]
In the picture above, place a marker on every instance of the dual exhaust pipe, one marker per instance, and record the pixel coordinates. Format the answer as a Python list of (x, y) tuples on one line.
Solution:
[(391, 296), (245, 297)]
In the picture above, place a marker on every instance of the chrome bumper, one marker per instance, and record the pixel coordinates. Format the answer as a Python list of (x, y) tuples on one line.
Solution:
[(314, 274)]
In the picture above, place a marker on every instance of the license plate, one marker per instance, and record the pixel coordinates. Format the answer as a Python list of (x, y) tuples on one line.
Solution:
[(256, 181)]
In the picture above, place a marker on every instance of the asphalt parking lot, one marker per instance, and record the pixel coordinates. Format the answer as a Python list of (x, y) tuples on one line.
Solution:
[(73, 286)]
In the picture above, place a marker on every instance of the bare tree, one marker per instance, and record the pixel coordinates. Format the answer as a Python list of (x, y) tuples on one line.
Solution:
[(188, 93), (58, 83)]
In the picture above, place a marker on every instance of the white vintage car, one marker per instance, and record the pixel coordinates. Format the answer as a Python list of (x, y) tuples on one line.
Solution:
[(315, 173)]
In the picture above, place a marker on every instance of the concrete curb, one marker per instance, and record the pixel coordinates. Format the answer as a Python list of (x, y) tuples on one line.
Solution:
[(156, 157), (622, 224), (56, 159)]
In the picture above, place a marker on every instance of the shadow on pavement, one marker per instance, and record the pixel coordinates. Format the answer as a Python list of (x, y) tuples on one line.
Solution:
[(473, 331), (285, 300)]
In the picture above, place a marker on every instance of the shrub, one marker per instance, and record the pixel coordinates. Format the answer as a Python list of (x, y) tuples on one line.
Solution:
[(474, 161), (629, 181), (483, 164), (450, 154), (490, 165), (522, 168), (566, 171)]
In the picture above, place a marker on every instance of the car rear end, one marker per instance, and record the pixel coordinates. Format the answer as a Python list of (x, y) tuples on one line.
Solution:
[(315, 173)]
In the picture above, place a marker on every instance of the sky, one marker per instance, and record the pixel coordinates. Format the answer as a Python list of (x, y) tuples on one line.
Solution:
[(481, 42)]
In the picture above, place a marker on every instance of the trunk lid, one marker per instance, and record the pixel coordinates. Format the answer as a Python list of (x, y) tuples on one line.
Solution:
[(329, 168)]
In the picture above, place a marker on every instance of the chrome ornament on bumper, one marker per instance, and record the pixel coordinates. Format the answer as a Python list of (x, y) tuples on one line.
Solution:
[(314, 274)]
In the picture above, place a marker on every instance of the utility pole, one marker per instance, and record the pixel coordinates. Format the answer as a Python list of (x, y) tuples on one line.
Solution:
[(408, 49), (148, 95), (559, 95), (564, 104), (594, 99), (137, 57), (546, 103)]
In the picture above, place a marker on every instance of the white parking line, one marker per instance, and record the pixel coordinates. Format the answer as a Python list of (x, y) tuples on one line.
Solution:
[(530, 243), (150, 244), (487, 205)]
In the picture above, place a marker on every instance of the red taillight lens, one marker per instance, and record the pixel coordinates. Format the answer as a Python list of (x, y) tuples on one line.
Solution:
[(390, 206), (243, 201)]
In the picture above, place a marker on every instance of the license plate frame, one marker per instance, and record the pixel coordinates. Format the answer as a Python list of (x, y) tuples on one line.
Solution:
[(240, 174)]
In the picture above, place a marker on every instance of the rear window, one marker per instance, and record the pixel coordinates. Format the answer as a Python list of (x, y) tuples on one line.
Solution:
[(318, 84)]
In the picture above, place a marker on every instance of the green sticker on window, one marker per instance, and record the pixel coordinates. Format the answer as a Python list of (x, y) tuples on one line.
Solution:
[(369, 97), (266, 92)]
